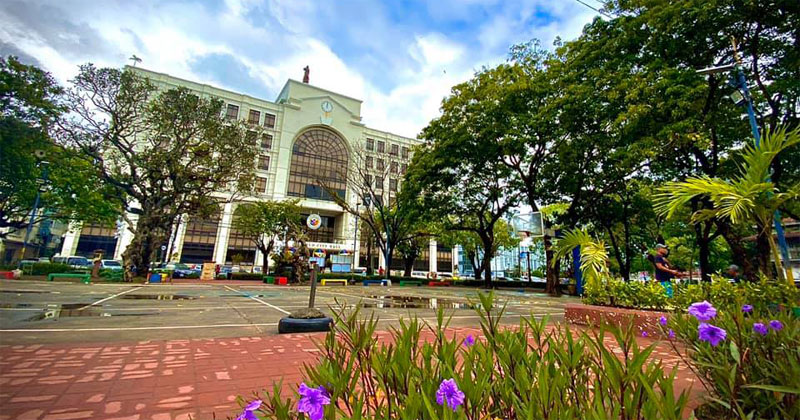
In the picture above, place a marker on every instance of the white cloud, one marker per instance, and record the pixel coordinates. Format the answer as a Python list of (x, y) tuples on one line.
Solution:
[(424, 64)]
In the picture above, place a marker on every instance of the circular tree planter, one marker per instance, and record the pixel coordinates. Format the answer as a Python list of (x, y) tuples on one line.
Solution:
[(305, 320)]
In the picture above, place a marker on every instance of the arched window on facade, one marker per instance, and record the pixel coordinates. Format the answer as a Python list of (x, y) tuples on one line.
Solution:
[(318, 155)]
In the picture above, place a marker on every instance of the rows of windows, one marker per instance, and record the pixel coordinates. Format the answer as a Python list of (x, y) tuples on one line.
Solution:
[(232, 113), (394, 149), (379, 164)]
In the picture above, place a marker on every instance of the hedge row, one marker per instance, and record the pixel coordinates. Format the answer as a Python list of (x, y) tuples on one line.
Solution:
[(43, 269)]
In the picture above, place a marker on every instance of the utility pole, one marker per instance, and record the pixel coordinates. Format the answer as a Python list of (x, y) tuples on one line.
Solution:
[(739, 82), (41, 183)]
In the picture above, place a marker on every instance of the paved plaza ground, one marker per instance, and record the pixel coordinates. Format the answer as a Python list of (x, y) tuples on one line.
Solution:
[(123, 351)]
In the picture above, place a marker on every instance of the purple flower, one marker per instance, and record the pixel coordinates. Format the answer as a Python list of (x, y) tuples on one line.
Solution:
[(747, 308), (760, 328), (247, 413), (703, 311), (776, 325), (671, 334), (313, 401), (662, 320), (644, 333), (449, 394), (469, 341), (711, 334)]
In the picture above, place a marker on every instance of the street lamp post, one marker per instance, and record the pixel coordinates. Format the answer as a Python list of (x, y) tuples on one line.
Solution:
[(742, 97), (41, 183)]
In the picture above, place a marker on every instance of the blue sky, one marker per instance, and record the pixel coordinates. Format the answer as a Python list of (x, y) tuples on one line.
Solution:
[(399, 57)]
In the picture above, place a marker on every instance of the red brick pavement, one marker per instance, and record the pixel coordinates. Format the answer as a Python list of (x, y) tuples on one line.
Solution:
[(162, 380)]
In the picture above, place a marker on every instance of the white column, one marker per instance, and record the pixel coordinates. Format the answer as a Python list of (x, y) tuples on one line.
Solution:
[(70, 243), (177, 246), (454, 261), (124, 237), (432, 256), (221, 244), (356, 242)]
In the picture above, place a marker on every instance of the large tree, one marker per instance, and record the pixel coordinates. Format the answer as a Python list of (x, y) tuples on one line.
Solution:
[(165, 152), (454, 181), (265, 222), (30, 101), (634, 79), (381, 207), (472, 245)]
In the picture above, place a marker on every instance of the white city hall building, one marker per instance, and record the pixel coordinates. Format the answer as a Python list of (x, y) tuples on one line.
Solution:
[(308, 133)]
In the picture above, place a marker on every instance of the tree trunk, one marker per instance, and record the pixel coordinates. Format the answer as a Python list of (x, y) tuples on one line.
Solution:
[(738, 252), (701, 236), (370, 269), (388, 260), (476, 268), (408, 265), (763, 252), (551, 271), (487, 271), (486, 264)]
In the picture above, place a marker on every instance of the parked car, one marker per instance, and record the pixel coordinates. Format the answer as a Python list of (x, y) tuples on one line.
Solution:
[(43, 260), (419, 274), (28, 262), (111, 264), (74, 261), (181, 270)]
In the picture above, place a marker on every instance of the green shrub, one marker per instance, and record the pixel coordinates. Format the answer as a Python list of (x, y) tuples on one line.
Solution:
[(246, 276), (634, 294), (532, 372), (748, 375), (43, 269), (763, 294)]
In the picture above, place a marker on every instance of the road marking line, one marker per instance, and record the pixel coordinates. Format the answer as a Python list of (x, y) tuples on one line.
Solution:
[(257, 300), (176, 327), (109, 298)]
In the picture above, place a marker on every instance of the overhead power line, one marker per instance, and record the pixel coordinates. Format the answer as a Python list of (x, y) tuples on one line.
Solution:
[(595, 9)]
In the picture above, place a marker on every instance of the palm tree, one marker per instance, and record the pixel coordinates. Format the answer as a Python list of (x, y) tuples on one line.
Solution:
[(594, 256), (750, 197)]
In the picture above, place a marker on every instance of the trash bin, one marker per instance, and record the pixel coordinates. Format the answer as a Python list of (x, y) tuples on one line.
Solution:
[(281, 280), (155, 278), (269, 279)]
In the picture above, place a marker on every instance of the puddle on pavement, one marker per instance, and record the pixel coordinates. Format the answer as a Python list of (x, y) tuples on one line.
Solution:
[(14, 305), (415, 302), (251, 295), (23, 291), (158, 297), (73, 310)]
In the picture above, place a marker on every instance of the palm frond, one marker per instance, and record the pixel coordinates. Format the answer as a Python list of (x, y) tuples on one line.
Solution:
[(594, 255), (675, 194), (758, 160)]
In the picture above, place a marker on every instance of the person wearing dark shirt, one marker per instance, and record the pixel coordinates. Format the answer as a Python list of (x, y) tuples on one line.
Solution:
[(664, 271)]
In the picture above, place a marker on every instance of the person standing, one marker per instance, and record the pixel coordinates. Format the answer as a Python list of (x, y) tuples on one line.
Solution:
[(664, 271)]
